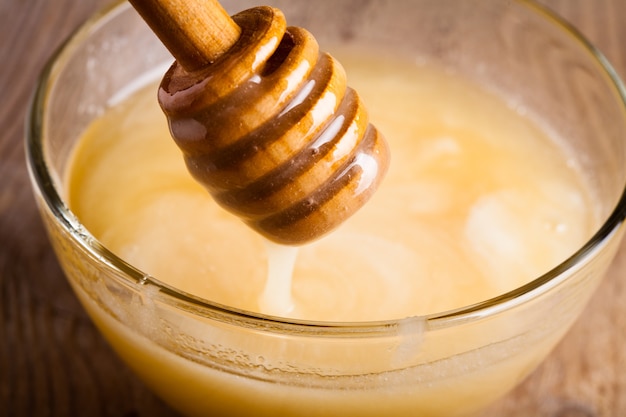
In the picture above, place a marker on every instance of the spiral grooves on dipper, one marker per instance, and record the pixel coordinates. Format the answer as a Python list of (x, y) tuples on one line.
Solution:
[(274, 133)]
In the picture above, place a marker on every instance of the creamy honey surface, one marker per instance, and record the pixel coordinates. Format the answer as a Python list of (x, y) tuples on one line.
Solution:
[(477, 201)]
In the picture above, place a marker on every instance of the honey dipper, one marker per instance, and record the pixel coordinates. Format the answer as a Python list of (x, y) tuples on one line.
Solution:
[(264, 120)]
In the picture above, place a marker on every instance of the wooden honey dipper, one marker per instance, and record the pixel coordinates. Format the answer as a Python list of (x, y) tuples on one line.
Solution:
[(264, 120)]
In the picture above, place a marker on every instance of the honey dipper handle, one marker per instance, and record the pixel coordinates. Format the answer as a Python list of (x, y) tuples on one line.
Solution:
[(196, 32)]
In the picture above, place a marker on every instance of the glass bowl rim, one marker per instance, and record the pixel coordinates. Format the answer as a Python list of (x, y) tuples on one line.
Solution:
[(44, 185)]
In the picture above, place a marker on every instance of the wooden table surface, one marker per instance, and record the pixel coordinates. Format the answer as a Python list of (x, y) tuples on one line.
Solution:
[(54, 363)]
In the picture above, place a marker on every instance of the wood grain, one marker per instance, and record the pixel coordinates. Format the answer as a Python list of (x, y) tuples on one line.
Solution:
[(195, 32), (54, 363)]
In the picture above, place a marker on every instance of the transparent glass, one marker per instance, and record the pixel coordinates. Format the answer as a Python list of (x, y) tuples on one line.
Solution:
[(206, 359)]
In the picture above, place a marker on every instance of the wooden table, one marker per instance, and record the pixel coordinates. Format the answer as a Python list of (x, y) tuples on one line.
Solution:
[(54, 363)]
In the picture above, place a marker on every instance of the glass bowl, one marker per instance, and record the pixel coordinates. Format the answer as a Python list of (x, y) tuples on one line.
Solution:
[(207, 359)]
